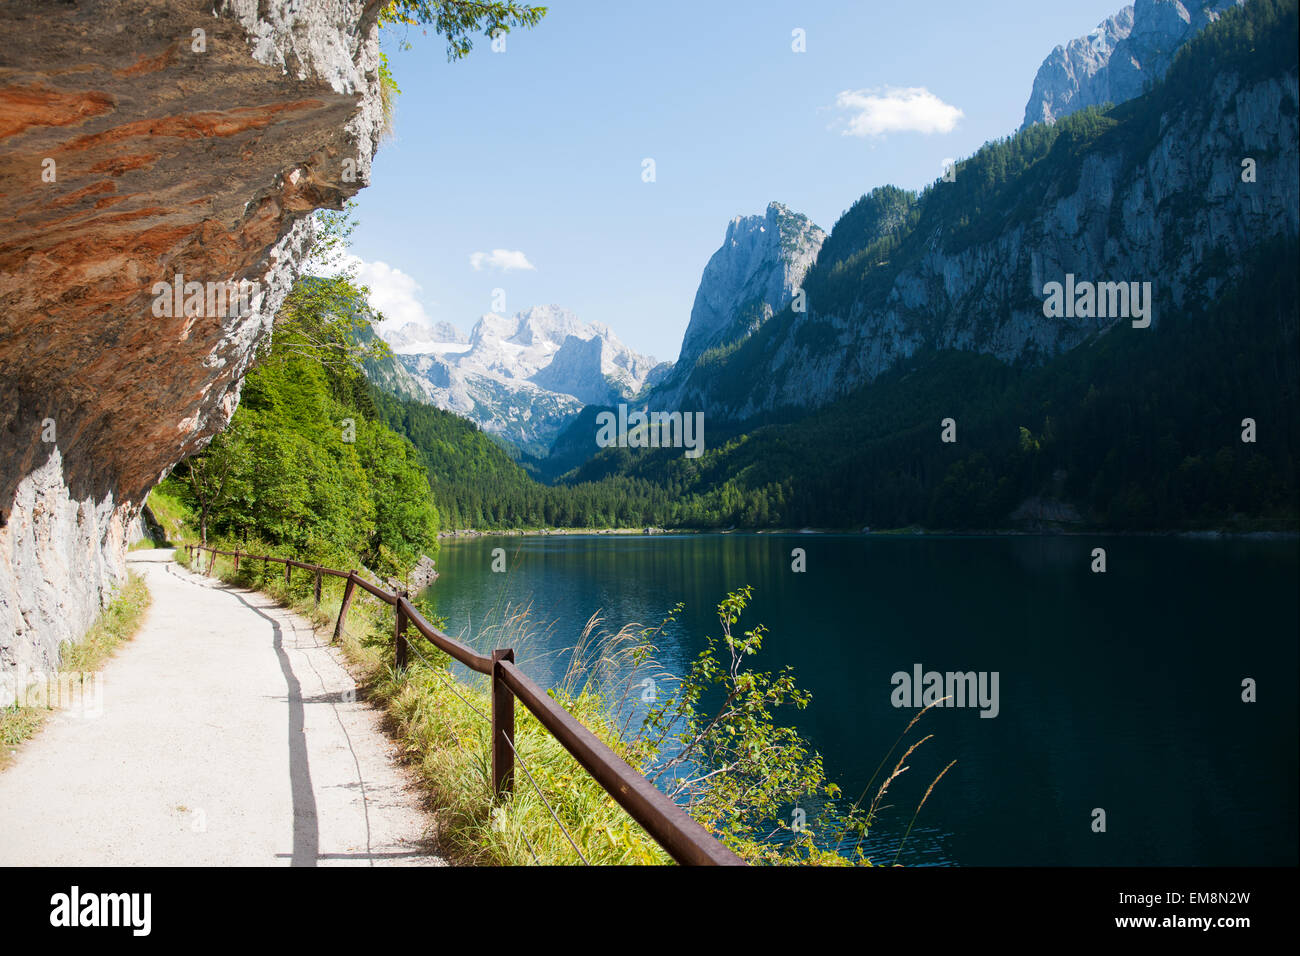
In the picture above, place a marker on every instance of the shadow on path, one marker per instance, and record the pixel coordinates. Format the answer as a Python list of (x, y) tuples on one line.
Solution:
[(306, 826)]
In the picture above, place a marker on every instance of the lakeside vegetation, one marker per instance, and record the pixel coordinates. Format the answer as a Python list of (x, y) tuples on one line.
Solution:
[(304, 467), (715, 740)]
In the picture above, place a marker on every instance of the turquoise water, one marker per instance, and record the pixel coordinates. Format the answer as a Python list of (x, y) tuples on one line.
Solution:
[(1119, 691)]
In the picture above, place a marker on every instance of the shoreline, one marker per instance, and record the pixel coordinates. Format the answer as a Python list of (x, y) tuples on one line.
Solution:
[(1207, 534)]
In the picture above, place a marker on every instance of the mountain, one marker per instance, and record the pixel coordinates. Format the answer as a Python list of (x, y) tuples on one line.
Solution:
[(759, 266), (925, 307), (1151, 191), (1118, 60), (389, 374), (1134, 432), (415, 338), (522, 377), (754, 274)]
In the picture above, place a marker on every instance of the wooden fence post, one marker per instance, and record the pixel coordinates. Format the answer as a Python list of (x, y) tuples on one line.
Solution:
[(236, 560), (347, 603), (503, 727), (400, 633), (316, 590)]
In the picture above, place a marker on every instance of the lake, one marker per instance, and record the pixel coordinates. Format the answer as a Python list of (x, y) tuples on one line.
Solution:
[(1119, 691)]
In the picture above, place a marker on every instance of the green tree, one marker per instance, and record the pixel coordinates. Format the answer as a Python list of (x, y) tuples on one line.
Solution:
[(207, 477), (406, 520), (457, 20), (734, 767)]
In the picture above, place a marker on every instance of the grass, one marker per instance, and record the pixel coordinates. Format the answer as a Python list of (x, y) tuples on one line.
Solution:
[(117, 624), (444, 730), (169, 510), (558, 814)]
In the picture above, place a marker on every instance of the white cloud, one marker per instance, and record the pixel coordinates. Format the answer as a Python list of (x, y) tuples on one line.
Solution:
[(392, 292), (889, 109), (503, 259)]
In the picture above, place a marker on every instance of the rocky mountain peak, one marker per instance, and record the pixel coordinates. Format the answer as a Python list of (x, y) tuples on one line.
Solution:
[(756, 271), (1120, 58)]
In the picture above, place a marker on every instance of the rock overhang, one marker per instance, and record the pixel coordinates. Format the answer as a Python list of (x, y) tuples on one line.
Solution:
[(146, 142)]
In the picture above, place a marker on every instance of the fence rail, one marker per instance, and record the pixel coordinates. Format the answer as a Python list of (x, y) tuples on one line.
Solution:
[(685, 840)]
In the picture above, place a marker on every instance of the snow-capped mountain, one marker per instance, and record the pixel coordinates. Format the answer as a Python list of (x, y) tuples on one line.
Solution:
[(415, 339), (523, 377)]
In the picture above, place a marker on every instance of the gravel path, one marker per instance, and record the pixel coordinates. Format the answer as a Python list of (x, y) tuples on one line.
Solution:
[(229, 735)]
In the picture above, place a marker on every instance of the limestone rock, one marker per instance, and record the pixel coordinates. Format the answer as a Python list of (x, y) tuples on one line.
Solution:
[(423, 574), (761, 262), (1176, 213), (136, 149), (1120, 58)]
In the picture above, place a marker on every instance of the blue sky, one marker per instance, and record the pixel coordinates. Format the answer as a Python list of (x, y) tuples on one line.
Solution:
[(538, 151)]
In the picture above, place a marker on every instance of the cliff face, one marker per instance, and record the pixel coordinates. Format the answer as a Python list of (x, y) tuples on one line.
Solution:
[(1165, 203), (755, 273), (761, 262), (1120, 58), (143, 139)]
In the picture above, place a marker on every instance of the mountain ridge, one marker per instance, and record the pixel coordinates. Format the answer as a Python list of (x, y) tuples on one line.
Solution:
[(1119, 58), (520, 377), (1149, 189)]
